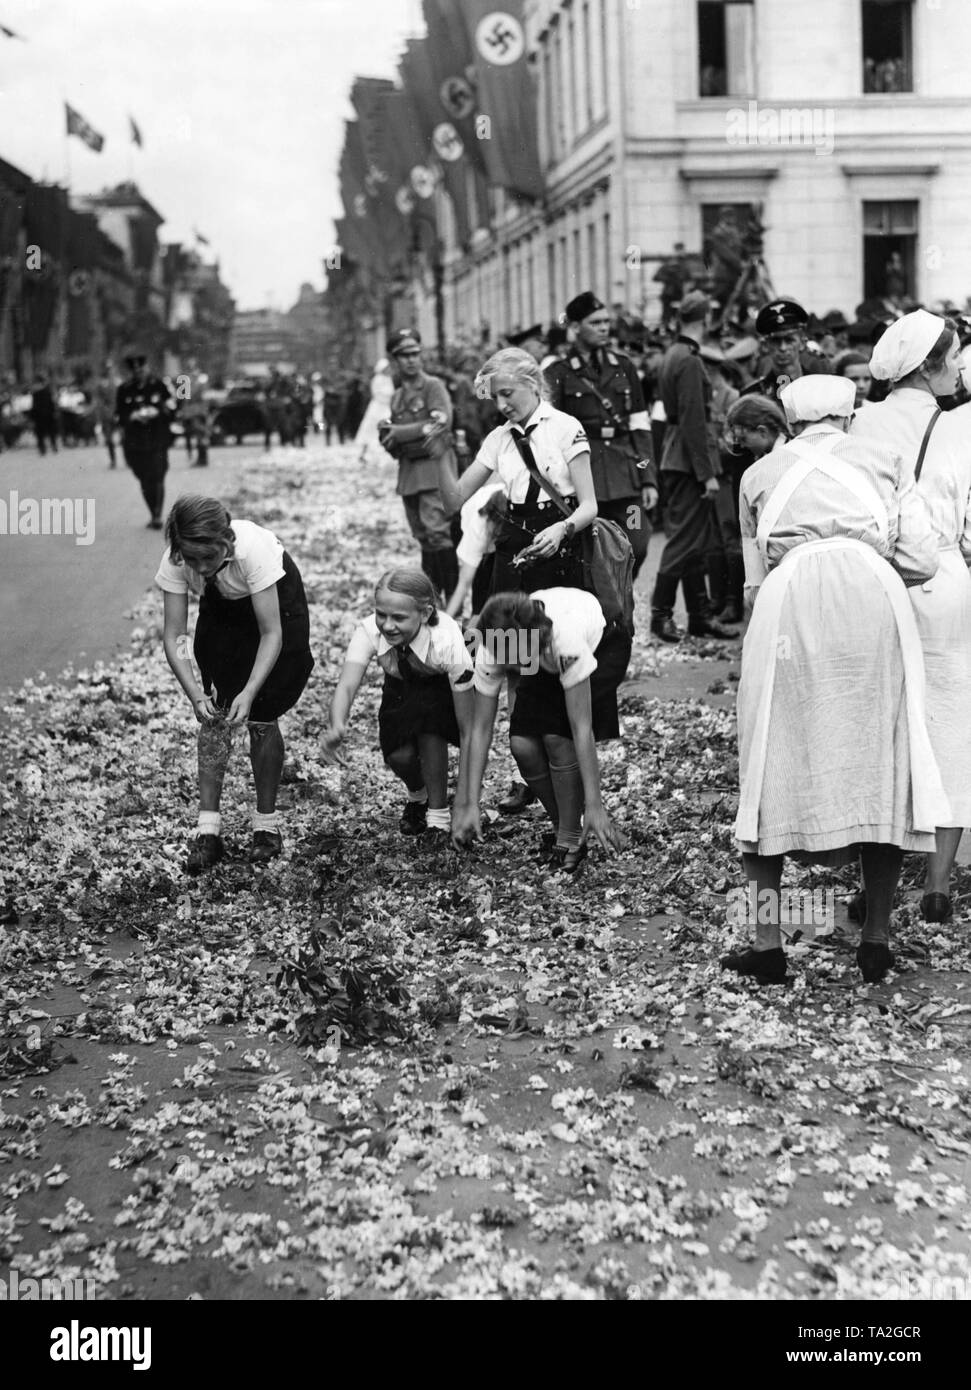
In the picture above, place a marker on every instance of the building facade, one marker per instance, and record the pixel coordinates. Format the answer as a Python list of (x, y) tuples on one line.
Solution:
[(848, 130)]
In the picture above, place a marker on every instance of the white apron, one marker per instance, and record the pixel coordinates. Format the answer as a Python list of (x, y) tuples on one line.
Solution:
[(762, 650)]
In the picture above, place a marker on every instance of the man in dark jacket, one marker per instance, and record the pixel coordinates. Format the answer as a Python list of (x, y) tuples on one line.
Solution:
[(781, 327), (691, 469), (600, 387), (145, 411), (43, 415)]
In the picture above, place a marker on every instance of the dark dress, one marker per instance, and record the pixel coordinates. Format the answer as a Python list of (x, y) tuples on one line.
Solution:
[(415, 702), (228, 635)]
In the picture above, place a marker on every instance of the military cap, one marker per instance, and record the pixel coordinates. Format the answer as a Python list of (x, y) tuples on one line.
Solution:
[(781, 316), (524, 335), (583, 306), (694, 305), (404, 340)]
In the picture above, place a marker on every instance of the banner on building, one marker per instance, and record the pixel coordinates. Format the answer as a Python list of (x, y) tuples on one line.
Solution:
[(506, 118), (444, 142)]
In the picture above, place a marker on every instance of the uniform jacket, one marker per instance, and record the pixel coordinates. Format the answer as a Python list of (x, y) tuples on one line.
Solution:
[(145, 434), (690, 445), (615, 447), (413, 405)]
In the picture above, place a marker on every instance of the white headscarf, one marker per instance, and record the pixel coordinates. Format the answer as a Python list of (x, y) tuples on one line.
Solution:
[(814, 397), (905, 345)]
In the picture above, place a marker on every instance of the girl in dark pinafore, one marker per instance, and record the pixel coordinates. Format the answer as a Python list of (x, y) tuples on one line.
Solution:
[(252, 648)]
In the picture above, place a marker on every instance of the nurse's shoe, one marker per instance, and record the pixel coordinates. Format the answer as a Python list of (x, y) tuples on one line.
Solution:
[(874, 959), (768, 967)]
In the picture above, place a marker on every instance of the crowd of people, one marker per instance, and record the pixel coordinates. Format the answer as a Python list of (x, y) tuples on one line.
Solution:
[(844, 519)]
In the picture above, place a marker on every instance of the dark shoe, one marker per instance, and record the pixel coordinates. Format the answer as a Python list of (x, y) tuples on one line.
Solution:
[(875, 959), (206, 851), (856, 908), (154, 524), (662, 625), (573, 858), (412, 820), (520, 796), (547, 844), (731, 613), (267, 844), (768, 967), (711, 627), (935, 907)]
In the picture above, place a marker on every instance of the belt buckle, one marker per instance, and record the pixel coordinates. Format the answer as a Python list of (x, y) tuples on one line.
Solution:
[(607, 432)]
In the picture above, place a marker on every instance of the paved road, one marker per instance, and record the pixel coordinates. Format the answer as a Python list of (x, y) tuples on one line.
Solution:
[(62, 603)]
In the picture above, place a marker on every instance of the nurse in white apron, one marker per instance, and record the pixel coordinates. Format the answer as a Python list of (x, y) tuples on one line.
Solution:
[(921, 355), (834, 756)]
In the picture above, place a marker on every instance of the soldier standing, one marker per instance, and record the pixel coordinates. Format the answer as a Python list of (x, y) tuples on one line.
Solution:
[(145, 410), (692, 469), (421, 400), (599, 386)]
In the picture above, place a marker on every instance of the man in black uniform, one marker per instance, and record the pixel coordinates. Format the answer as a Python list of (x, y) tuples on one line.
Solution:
[(782, 326), (145, 410), (600, 387)]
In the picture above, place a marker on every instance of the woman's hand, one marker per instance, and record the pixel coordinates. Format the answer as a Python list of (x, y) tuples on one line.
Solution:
[(330, 743), (204, 709), (466, 824), (548, 541), (239, 710), (598, 825)]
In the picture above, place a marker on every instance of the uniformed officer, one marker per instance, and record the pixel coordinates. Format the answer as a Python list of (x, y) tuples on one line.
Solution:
[(421, 399), (600, 387), (692, 470), (145, 409), (781, 327)]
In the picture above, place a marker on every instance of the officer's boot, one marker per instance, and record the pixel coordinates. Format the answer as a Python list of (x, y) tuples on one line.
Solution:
[(429, 563), (716, 567), (662, 608), (700, 621), (448, 572), (734, 609)]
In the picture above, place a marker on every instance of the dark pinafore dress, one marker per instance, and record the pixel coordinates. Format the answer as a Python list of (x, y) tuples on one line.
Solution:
[(227, 638), (415, 701)]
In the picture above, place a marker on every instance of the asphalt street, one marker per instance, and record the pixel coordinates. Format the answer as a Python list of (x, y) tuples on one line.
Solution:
[(63, 603)]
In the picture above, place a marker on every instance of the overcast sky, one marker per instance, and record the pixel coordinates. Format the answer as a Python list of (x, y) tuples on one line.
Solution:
[(240, 103)]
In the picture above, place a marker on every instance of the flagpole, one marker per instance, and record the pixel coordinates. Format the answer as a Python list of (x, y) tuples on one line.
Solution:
[(67, 146)]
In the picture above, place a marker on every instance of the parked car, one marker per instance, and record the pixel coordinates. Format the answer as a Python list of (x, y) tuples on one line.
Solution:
[(241, 414)]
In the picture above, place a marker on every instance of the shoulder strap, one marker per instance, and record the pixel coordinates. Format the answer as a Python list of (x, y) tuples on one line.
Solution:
[(527, 457), (918, 466)]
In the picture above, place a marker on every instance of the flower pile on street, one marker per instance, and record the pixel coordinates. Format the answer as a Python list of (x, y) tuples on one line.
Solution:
[(381, 1068)]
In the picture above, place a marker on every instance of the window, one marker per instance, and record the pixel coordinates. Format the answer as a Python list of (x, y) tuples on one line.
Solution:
[(889, 250), (726, 48), (728, 240), (887, 47)]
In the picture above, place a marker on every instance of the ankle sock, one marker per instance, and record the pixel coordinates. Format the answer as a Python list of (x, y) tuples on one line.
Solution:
[(209, 823), (266, 820), (438, 820), (421, 795), (568, 839)]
